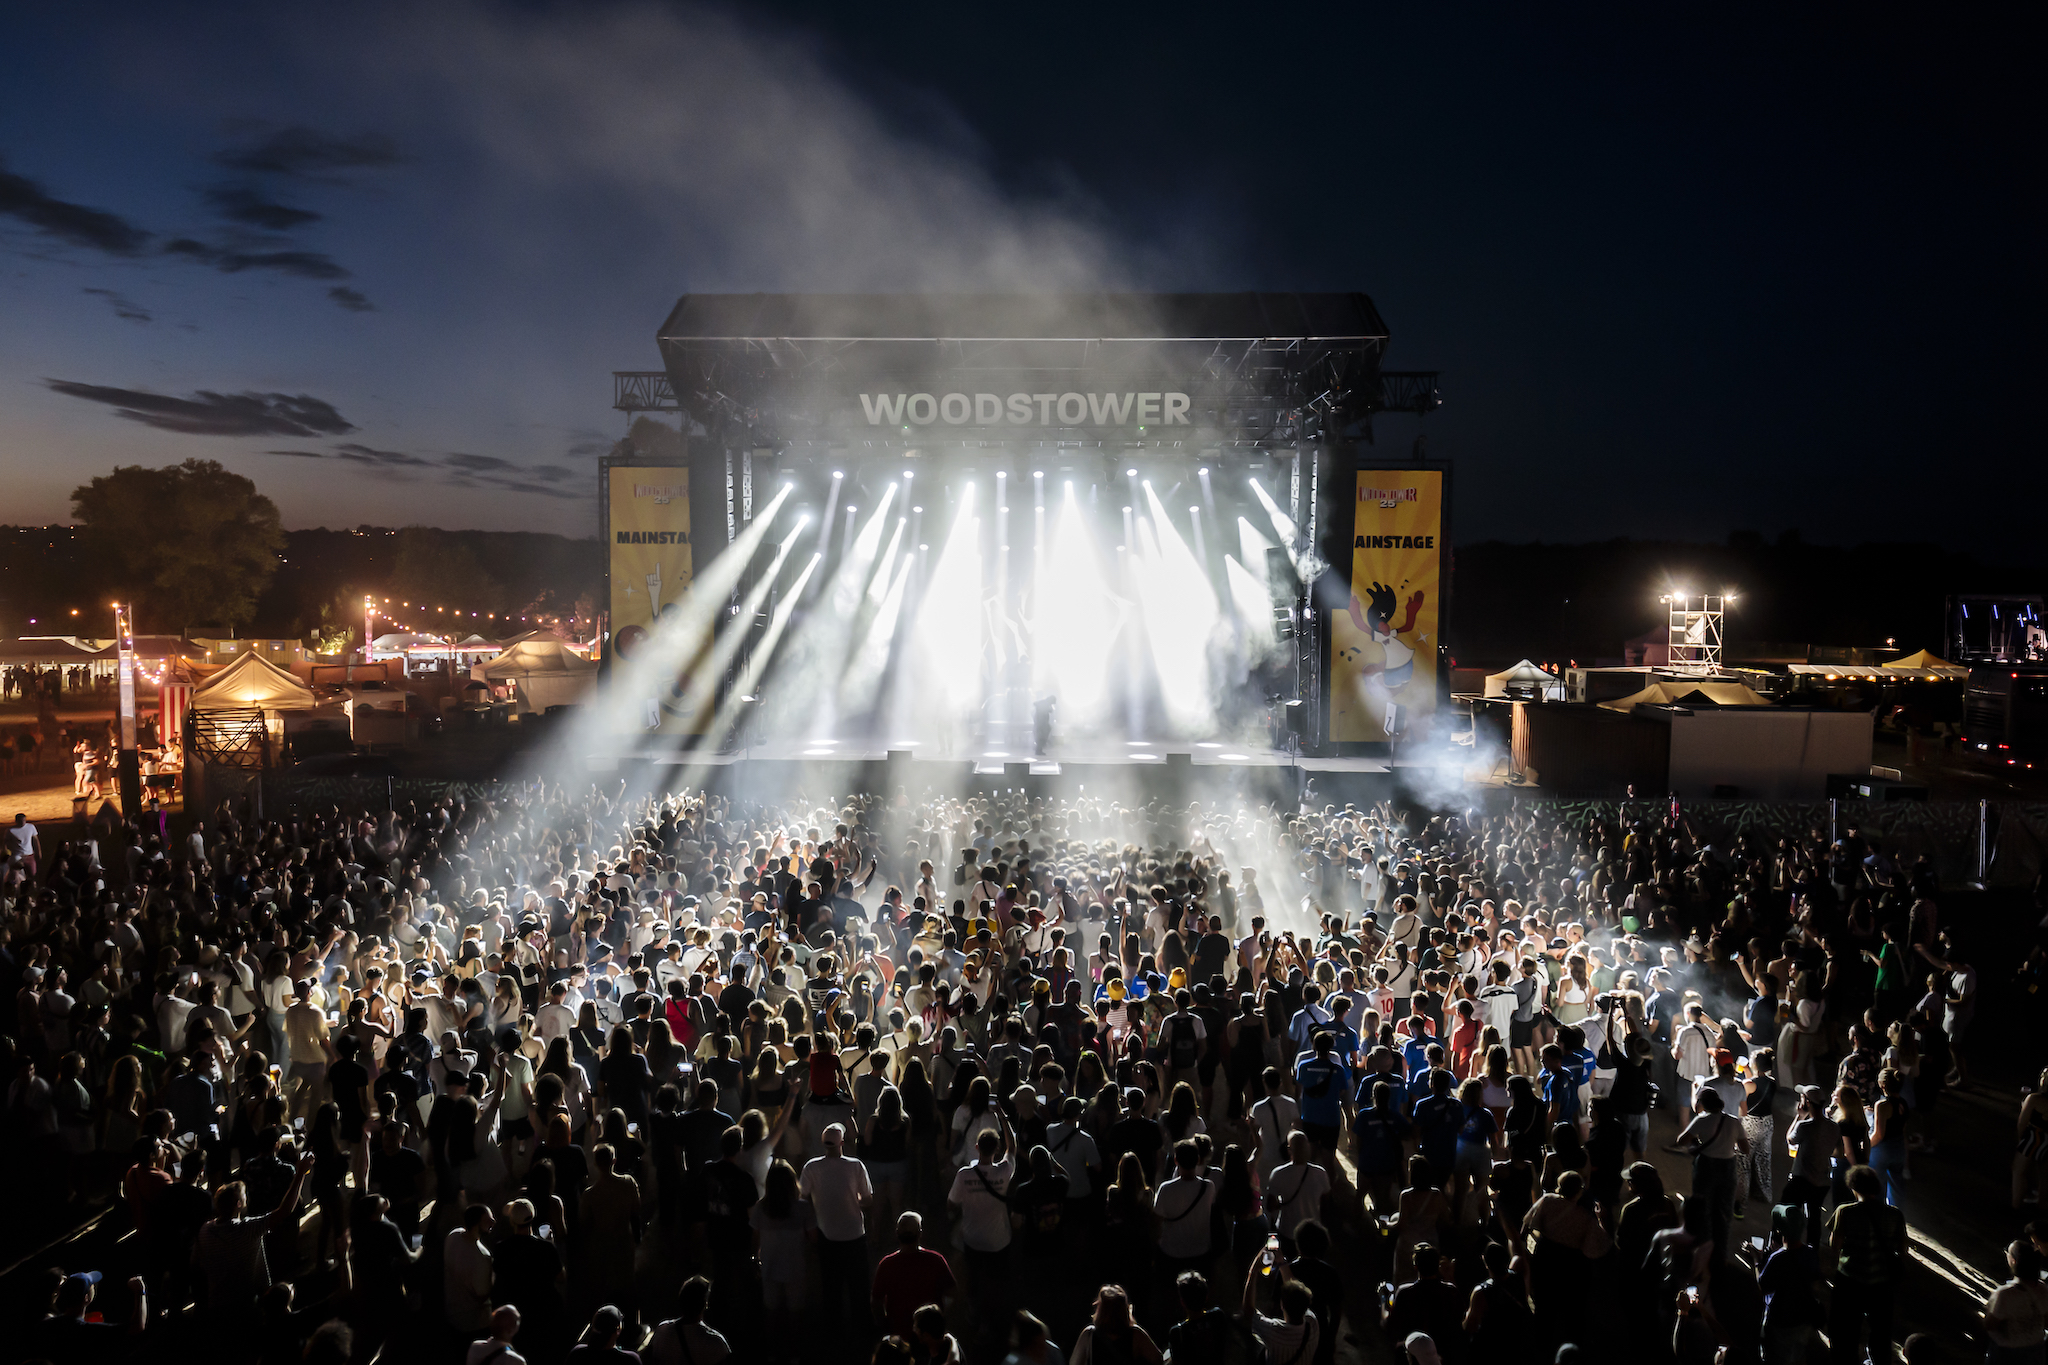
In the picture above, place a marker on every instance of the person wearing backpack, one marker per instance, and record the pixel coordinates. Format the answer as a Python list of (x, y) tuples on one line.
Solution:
[(1180, 1041)]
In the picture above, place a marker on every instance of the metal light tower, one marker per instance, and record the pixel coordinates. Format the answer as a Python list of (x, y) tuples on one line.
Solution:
[(129, 764), (1695, 622)]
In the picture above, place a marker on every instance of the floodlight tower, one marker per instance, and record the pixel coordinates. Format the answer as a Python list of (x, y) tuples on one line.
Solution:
[(1695, 623)]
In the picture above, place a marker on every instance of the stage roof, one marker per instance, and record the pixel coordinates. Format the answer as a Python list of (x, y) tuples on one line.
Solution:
[(970, 317), (775, 369)]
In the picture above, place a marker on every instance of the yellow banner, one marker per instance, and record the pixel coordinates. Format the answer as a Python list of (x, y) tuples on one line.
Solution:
[(649, 509), (1382, 679)]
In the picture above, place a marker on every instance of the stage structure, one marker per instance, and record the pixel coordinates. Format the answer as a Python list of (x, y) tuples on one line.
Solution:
[(998, 525)]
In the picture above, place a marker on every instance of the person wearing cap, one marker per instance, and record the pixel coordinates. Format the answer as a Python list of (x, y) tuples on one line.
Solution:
[(68, 1335)]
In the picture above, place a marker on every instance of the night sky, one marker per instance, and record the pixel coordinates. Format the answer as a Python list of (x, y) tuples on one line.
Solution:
[(1685, 272)]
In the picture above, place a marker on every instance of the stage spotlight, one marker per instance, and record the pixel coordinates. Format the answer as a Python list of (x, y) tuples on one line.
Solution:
[(838, 473), (1131, 473)]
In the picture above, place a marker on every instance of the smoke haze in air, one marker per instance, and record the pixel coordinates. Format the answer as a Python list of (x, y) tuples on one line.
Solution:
[(736, 154)]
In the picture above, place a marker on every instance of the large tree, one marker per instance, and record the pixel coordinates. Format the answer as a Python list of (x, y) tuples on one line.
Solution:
[(194, 542)]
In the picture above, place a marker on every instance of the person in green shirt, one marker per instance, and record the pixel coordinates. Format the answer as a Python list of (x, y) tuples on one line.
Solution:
[(1889, 987)]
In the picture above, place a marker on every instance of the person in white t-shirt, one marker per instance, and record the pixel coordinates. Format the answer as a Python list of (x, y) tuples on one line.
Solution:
[(24, 842), (839, 1190), (980, 1196), (1297, 1189), (1273, 1118), (1181, 1208)]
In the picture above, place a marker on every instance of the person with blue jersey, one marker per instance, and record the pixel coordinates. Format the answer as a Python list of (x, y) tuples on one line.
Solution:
[(1582, 1062), (1560, 1080), (1421, 1085), (1324, 1086), (1378, 1130), (1414, 1051), (1477, 1134), (1347, 1047), (1438, 1120)]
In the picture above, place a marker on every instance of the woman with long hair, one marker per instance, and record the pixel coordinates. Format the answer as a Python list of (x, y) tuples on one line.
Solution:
[(783, 1223), (974, 1113), (1243, 1210), (885, 1147), (1127, 1216), (1422, 1215), (629, 1150), (1854, 1121), (920, 1107), (1759, 1125), (122, 1123), (1495, 1095), (624, 1079), (330, 1171), (1178, 1123), (1888, 1133), (1112, 1334)]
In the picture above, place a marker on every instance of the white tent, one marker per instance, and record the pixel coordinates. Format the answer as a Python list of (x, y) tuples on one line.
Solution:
[(1674, 692), (542, 670), (252, 681), (1523, 680)]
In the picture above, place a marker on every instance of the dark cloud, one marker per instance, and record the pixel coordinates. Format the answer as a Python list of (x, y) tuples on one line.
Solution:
[(352, 299), (490, 471), (241, 204), (308, 265), (539, 490), (306, 153), (478, 464), (390, 459), (459, 469), (124, 308), (25, 200), (592, 447), (216, 414)]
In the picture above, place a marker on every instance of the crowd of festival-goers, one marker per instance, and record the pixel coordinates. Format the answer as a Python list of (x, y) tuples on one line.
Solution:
[(573, 1075)]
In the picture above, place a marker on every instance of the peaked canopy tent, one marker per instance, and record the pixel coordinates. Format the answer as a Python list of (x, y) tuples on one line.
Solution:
[(252, 682), (1921, 664), (1523, 679), (1689, 694), (542, 671)]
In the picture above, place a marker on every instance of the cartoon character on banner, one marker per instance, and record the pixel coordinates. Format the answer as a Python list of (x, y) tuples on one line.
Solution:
[(1385, 681)]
